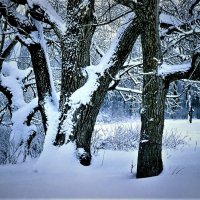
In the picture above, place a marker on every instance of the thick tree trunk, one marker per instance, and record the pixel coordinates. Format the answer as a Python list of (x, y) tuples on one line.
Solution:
[(153, 96), (75, 46), (84, 116), (152, 117), (83, 129)]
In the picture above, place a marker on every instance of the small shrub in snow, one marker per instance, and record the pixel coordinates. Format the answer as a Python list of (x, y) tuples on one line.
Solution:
[(123, 138), (36, 146), (126, 137), (117, 137), (174, 139), (9, 152), (96, 142)]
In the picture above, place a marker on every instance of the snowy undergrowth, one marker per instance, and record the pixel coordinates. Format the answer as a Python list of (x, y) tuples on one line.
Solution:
[(126, 136)]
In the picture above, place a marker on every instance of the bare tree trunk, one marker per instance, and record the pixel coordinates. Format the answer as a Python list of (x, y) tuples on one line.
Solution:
[(155, 89), (152, 118), (153, 96)]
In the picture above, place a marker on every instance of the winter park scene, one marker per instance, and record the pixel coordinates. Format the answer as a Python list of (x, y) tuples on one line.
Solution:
[(100, 99)]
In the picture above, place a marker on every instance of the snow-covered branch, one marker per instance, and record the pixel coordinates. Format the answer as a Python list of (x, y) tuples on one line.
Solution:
[(21, 22), (130, 90), (189, 70), (194, 3)]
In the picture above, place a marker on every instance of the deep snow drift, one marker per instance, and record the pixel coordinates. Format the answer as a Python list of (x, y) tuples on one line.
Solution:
[(60, 176)]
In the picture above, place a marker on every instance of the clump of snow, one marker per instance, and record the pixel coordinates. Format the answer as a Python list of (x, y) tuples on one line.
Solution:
[(11, 78), (144, 141), (83, 94), (19, 128)]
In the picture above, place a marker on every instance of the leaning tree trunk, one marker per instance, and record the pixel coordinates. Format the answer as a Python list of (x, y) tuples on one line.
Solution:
[(42, 77), (153, 96), (83, 129)]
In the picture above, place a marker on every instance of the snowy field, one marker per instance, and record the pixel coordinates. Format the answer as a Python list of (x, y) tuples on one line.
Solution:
[(110, 175)]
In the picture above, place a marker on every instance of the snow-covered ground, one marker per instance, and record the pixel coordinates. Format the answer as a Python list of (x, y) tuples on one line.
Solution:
[(110, 175)]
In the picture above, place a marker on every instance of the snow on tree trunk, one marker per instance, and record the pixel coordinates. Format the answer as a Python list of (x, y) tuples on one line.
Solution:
[(77, 122), (75, 47)]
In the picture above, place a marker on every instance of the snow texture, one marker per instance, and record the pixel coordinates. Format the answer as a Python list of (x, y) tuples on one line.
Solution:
[(109, 176), (12, 78)]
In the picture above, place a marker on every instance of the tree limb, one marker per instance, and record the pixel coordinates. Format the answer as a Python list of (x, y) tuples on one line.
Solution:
[(193, 73), (21, 22), (193, 5)]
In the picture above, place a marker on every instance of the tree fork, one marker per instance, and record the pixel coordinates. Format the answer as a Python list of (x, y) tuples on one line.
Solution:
[(84, 124)]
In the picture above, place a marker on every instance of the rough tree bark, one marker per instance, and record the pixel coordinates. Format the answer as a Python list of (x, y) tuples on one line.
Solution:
[(75, 47), (153, 95)]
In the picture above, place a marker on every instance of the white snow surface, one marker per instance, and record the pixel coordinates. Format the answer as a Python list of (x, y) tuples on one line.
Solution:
[(109, 176)]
